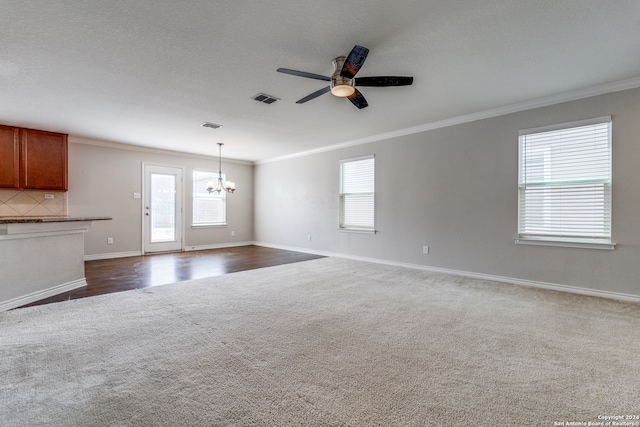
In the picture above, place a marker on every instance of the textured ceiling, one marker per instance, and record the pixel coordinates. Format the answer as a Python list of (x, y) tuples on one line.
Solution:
[(150, 72)]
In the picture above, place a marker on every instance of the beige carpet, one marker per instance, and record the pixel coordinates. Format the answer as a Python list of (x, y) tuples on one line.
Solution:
[(328, 342)]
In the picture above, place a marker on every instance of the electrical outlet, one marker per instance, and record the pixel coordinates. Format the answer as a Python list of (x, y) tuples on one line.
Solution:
[(425, 250), (233, 233), (109, 240), (309, 237)]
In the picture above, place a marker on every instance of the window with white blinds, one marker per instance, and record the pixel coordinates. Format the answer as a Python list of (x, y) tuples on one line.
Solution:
[(565, 182), (357, 193), (208, 208)]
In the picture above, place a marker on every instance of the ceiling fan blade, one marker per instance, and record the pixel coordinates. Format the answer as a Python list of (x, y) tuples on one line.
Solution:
[(303, 74), (314, 95), (358, 100), (354, 61), (381, 81)]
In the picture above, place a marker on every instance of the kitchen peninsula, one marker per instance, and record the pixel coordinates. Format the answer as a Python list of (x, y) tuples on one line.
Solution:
[(41, 257)]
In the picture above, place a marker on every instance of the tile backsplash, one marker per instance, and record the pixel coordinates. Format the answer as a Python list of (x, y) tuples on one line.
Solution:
[(33, 203)]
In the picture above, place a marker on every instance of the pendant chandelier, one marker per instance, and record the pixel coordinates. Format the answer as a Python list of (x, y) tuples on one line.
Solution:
[(228, 186)]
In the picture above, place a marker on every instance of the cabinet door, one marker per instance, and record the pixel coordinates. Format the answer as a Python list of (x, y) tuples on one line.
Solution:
[(43, 160), (9, 157)]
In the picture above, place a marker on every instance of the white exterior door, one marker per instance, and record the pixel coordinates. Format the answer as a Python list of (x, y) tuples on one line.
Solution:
[(162, 210)]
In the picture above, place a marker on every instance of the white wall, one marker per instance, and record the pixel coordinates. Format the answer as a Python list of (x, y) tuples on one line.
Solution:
[(104, 176), (455, 190)]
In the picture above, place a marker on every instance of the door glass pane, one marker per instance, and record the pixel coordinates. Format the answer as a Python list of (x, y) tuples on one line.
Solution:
[(163, 208)]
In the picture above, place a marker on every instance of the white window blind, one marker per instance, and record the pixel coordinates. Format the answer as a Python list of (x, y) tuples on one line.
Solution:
[(357, 193), (565, 182), (208, 208)]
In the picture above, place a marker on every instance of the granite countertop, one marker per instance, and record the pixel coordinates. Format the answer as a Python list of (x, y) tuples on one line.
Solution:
[(41, 219)]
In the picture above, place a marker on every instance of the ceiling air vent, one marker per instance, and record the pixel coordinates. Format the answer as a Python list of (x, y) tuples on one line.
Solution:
[(267, 99), (211, 125)]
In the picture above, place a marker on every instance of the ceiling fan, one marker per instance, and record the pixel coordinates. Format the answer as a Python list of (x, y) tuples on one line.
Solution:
[(344, 80)]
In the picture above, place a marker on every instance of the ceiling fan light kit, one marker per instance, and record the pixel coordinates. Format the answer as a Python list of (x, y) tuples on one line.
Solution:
[(341, 86), (343, 81)]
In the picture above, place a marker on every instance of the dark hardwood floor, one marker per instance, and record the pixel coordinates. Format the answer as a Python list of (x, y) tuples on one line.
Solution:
[(123, 274)]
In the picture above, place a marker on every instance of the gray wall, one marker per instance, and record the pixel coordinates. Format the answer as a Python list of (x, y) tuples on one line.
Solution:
[(103, 178), (455, 190)]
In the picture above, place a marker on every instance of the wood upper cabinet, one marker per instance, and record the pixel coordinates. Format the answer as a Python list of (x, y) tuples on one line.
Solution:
[(42, 159), (9, 157)]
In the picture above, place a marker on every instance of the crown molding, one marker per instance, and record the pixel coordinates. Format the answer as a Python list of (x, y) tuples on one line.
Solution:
[(141, 149), (486, 114)]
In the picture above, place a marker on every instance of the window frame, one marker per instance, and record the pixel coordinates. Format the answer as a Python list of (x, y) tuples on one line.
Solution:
[(199, 193), (343, 195), (590, 242)]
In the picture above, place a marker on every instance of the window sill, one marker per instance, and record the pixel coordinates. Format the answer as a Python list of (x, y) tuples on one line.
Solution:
[(209, 226), (566, 243), (358, 230)]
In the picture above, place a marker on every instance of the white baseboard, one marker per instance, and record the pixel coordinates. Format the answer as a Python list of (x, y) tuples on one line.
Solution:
[(45, 293), (112, 255), (521, 282), (216, 246), (306, 250)]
